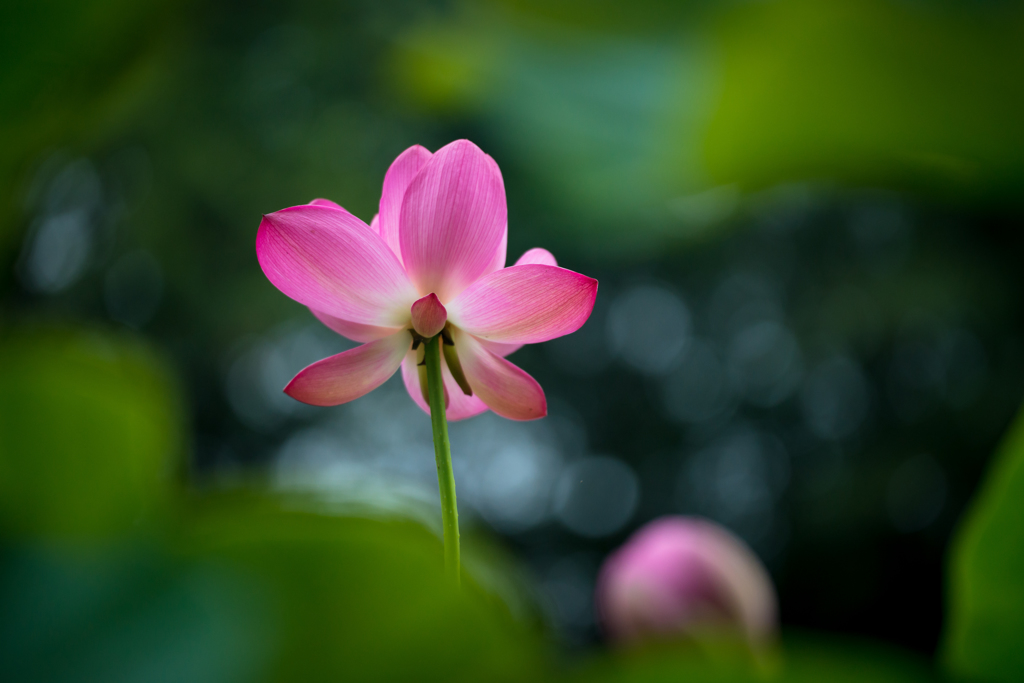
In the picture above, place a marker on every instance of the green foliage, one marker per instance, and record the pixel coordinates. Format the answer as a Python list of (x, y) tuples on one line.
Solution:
[(360, 599), (244, 588), (71, 69), (658, 114), (226, 587), (872, 91), (130, 614), (986, 583), (90, 434), (803, 659)]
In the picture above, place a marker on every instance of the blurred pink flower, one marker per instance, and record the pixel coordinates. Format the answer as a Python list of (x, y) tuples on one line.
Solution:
[(432, 260), (685, 575)]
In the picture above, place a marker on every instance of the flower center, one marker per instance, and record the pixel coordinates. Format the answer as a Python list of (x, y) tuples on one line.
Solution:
[(451, 358), (428, 316)]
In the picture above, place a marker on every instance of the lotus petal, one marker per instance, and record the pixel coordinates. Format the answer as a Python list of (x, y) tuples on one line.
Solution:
[(348, 375)]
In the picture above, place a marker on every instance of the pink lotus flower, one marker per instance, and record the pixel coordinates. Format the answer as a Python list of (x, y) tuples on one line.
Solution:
[(681, 575), (432, 261)]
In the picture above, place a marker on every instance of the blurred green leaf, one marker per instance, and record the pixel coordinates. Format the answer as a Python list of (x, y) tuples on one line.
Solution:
[(72, 72), (803, 659), (610, 122), (986, 574), (133, 615), (245, 588), (660, 119), (90, 434), (872, 91), (360, 599)]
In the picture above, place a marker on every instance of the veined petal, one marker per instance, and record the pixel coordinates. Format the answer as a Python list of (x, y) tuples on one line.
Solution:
[(327, 203), (539, 256), (375, 224), (396, 182), (460, 406), (354, 331), (499, 349), (351, 374), (500, 256), (506, 389), (524, 304), (330, 261), (453, 220)]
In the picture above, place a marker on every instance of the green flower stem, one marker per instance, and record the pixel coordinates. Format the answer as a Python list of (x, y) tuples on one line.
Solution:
[(443, 456)]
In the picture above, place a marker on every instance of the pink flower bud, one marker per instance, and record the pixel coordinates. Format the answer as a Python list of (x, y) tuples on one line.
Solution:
[(428, 316), (683, 575)]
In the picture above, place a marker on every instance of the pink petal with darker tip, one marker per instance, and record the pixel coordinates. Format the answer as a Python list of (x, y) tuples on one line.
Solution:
[(351, 374), (330, 261), (428, 316), (354, 331), (460, 406), (525, 304), (505, 388), (453, 220), (539, 256), (327, 203), (396, 182)]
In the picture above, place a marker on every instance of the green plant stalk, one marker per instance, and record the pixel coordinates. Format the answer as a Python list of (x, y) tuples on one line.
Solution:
[(443, 457)]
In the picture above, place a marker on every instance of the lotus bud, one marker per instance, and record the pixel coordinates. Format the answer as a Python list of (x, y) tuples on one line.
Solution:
[(685, 576), (428, 316)]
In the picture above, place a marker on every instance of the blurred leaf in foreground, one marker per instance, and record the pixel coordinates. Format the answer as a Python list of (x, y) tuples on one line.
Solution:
[(90, 434), (358, 599), (805, 660), (243, 588), (873, 92), (127, 615), (986, 575)]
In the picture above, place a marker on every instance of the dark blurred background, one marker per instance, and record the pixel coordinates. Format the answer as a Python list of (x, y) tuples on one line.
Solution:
[(805, 218)]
